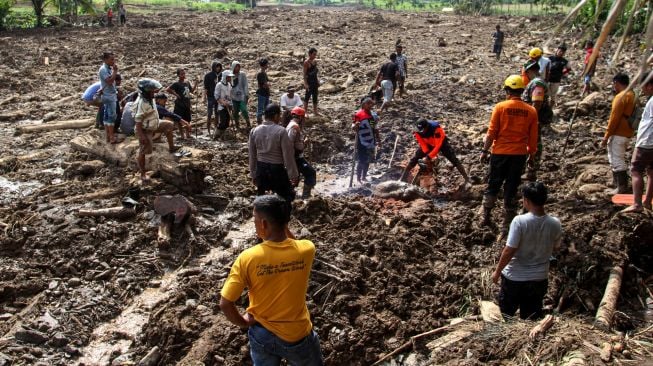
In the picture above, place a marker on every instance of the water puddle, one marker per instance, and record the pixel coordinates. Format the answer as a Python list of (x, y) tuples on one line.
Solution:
[(130, 323), (13, 189)]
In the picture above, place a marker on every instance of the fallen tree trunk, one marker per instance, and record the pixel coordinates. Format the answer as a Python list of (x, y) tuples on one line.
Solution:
[(119, 212), (187, 173), (609, 301), (61, 125)]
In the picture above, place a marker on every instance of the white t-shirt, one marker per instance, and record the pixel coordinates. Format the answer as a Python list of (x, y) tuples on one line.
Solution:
[(534, 237), (645, 129), (222, 92), (291, 103)]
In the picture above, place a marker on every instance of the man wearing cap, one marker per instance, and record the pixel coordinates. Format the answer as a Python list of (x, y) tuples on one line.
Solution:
[(288, 101), (512, 135), (367, 137), (183, 125), (386, 79), (272, 164), (536, 94), (263, 91), (432, 140), (211, 79), (559, 68), (148, 123), (239, 93), (295, 131), (222, 97)]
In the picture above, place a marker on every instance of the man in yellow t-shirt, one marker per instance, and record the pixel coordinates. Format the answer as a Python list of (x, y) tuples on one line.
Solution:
[(276, 273)]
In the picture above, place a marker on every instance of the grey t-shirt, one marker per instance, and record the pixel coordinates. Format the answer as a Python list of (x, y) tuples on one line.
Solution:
[(127, 123), (108, 89), (534, 236)]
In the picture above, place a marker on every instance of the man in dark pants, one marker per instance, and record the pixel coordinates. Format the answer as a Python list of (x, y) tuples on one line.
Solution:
[(432, 140), (295, 130), (497, 47), (512, 134), (524, 264), (211, 79), (272, 157), (364, 125)]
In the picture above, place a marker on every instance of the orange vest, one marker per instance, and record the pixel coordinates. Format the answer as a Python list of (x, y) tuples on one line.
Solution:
[(431, 145)]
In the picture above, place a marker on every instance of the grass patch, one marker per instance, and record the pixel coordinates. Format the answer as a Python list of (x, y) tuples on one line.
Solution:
[(528, 9)]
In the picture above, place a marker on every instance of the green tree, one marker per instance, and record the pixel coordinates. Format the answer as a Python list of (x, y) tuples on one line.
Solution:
[(39, 9)]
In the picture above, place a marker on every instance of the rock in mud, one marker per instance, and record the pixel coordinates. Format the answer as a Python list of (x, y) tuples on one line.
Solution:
[(31, 336), (398, 190), (5, 360), (59, 340), (151, 358)]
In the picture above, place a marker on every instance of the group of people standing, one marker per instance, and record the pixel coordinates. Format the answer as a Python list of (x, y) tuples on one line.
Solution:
[(513, 144)]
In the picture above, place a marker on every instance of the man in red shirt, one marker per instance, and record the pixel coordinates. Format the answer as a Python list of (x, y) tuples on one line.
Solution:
[(367, 137), (512, 134)]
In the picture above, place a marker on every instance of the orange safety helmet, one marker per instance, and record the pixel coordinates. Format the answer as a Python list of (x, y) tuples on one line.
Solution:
[(298, 111)]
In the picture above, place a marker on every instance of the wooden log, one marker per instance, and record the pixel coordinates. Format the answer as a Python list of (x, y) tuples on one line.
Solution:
[(490, 312), (187, 173), (119, 212), (8, 116), (349, 82), (60, 125), (608, 303)]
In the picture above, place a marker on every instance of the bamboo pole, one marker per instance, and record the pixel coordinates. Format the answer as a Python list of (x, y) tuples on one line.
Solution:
[(569, 16), (629, 25), (615, 11), (609, 301)]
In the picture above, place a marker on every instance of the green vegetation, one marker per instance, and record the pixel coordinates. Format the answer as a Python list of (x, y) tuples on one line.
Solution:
[(5, 11)]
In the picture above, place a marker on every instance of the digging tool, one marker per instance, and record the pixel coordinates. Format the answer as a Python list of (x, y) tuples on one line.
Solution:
[(353, 161), (394, 149), (571, 123)]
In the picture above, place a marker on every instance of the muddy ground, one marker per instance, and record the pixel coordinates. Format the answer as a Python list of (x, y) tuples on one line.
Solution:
[(94, 291)]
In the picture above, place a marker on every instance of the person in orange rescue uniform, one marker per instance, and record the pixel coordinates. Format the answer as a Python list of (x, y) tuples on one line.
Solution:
[(432, 140), (512, 134)]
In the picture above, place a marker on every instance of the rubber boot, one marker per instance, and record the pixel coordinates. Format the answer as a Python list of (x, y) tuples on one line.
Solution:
[(620, 181), (306, 192), (488, 204)]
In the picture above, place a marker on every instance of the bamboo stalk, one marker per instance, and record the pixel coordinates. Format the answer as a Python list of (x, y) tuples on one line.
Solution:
[(615, 11), (629, 25), (572, 14), (608, 304)]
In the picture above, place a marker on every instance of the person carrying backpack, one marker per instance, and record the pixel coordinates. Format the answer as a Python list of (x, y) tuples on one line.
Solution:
[(618, 134)]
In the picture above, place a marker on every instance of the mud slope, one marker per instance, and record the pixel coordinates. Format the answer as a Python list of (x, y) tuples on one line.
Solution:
[(83, 290)]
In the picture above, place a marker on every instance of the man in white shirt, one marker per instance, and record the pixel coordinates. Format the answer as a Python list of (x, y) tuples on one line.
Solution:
[(642, 159), (288, 101), (523, 268)]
